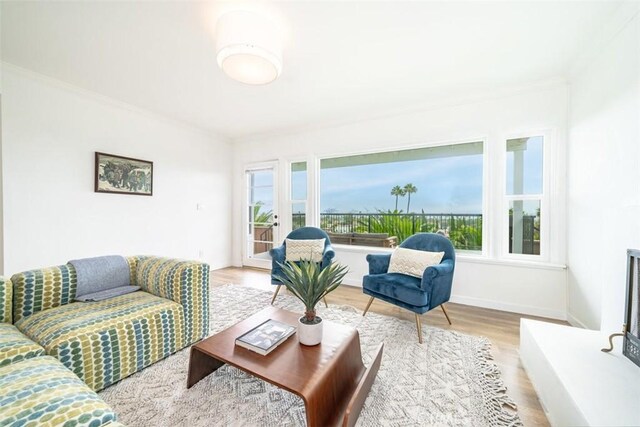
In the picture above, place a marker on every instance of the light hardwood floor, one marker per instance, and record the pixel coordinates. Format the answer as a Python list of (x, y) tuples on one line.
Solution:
[(502, 328)]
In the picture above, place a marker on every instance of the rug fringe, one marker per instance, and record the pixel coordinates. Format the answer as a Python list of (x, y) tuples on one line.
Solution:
[(502, 409)]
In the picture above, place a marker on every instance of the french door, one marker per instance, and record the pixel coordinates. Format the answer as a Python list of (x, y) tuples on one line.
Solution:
[(261, 219)]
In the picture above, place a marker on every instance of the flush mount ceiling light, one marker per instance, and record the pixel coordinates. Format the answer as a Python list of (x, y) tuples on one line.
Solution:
[(249, 47)]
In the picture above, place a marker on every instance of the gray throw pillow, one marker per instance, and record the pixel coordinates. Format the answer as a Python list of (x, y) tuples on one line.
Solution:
[(100, 273)]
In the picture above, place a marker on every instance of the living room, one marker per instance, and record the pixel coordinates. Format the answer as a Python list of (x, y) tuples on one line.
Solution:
[(510, 128)]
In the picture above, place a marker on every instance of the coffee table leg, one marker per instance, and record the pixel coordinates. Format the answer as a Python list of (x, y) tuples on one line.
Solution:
[(364, 386), (337, 397), (201, 365)]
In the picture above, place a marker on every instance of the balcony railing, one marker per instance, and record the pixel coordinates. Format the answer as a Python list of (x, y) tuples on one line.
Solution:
[(464, 230)]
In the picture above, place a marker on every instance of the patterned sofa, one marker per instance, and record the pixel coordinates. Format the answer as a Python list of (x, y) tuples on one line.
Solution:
[(46, 337)]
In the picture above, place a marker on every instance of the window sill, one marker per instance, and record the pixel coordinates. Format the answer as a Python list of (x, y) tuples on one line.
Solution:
[(465, 257), (510, 262)]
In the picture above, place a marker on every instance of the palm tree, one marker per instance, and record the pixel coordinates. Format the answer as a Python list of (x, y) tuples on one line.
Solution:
[(398, 192), (408, 190)]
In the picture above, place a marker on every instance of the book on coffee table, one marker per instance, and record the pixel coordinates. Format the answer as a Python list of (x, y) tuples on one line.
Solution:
[(265, 337)]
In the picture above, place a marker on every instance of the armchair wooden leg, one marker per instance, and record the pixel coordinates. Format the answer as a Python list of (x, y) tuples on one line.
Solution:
[(419, 326), (325, 302), (275, 294), (445, 313), (368, 305)]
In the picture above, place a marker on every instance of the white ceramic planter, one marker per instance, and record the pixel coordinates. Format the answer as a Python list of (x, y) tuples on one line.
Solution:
[(309, 334)]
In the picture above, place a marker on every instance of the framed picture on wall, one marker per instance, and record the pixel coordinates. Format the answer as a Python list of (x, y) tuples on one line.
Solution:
[(123, 175)]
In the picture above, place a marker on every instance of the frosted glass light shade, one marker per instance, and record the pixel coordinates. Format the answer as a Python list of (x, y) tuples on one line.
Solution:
[(249, 47)]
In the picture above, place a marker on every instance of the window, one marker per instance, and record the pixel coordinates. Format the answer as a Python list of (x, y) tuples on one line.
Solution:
[(524, 193), (382, 198), (298, 194)]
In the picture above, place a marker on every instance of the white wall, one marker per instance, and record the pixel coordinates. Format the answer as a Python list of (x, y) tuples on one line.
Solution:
[(1, 175), (603, 218), (488, 281), (50, 132)]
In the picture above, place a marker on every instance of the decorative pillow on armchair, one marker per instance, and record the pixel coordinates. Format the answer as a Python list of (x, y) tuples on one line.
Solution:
[(413, 262), (308, 249)]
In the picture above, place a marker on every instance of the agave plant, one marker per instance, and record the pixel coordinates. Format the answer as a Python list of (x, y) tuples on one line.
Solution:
[(310, 283)]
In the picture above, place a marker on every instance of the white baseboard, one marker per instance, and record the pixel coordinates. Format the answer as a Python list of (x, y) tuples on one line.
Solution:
[(510, 307), (492, 304), (352, 282), (485, 303)]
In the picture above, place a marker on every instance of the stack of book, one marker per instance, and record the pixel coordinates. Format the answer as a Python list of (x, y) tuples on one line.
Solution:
[(265, 337)]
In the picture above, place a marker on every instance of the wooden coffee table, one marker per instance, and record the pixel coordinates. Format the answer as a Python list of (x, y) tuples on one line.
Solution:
[(329, 377)]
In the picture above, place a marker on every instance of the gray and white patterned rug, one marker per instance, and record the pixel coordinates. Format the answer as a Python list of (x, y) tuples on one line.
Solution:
[(449, 380)]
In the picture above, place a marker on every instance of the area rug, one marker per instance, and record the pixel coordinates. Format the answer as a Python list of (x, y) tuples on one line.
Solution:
[(449, 380)]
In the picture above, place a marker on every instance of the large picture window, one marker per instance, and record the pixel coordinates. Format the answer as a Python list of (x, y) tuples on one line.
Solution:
[(380, 199)]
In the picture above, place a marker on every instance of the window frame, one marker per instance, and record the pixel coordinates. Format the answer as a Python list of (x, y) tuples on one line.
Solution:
[(495, 206), (544, 197)]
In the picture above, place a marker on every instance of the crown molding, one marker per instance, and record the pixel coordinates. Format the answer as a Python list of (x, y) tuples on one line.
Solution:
[(612, 27), (106, 100), (440, 102)]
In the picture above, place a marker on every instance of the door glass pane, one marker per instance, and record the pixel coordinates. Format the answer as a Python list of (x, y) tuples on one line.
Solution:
[(262, 178), (261, 218), (524, 227), (262, 195), (524, 165), (262, 214)]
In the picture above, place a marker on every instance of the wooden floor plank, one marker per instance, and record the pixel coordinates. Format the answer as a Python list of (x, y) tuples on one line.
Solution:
[(500, 327)]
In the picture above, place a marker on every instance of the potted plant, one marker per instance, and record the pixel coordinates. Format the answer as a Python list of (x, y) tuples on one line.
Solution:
[(310, 283)]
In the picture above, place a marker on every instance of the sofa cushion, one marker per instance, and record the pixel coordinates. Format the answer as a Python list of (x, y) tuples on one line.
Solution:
[(41, 391), (398, 287), (15, 346), (100, 273), (185, 282), (105, 341)]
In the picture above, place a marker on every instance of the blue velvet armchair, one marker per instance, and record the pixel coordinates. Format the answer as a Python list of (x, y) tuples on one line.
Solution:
[(412, 293), (278, 255)]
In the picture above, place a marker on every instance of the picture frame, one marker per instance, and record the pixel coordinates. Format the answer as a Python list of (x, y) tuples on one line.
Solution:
[(123, 175)]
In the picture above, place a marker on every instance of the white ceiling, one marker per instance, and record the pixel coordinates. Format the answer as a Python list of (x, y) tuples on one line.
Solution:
[(342, 60)]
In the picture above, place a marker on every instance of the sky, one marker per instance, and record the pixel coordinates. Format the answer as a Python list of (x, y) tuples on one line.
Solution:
[(445, 185)]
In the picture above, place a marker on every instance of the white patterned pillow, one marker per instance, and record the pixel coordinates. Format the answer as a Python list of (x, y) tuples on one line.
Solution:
[(309, 249), (413, 262)]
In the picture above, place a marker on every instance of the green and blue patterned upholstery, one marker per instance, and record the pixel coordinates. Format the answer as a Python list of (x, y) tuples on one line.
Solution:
[(14, 346), (42, 392), (133, 265), (38, 290), (6, 300), (105, 341), (185, 282)]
